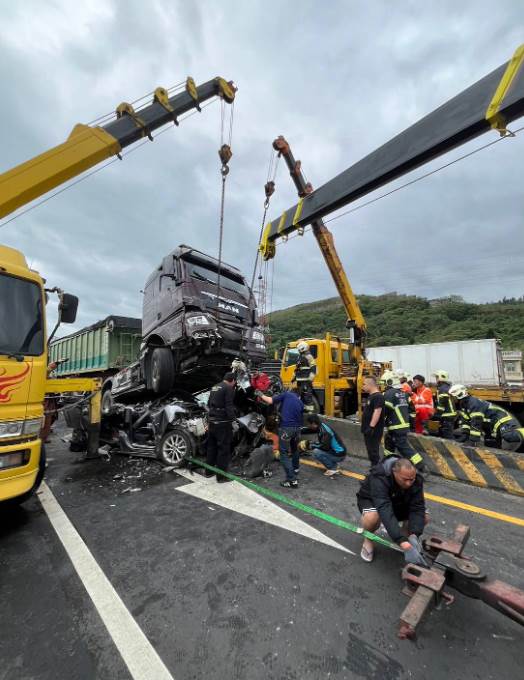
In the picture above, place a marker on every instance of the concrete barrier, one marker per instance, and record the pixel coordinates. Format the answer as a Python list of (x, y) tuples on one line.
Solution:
[(488, 468)]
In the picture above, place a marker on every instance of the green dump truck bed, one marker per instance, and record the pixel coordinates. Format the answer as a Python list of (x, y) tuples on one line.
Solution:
[(103, 348)]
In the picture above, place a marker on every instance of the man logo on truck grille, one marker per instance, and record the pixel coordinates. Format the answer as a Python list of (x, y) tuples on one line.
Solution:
[(9, 383)]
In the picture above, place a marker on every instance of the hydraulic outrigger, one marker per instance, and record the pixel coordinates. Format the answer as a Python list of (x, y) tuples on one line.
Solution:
[(450, 567)]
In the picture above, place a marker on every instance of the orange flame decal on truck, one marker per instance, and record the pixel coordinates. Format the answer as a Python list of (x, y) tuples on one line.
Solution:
[(9, 383)]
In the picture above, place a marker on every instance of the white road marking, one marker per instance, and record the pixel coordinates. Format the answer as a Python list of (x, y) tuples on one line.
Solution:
[(236, 497), (137, 652)]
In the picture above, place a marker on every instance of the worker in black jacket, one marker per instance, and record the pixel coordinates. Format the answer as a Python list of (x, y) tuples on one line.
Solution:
[(397, 403), (393, 492), (221, 417)]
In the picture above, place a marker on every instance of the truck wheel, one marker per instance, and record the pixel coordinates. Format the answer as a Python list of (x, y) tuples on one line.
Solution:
[(175, 446), (39, 477), (162, 369), (108, 403)]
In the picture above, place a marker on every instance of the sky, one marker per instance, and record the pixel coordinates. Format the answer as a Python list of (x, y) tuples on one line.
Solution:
[(337, 80)]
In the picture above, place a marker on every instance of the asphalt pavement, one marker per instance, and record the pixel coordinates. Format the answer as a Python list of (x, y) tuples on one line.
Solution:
[(197, 580)]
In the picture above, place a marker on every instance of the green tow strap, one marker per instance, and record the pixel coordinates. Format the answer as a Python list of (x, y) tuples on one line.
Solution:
[(299, 506)]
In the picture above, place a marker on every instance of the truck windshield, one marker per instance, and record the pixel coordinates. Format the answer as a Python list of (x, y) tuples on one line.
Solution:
[(209, 273), (21, 319)]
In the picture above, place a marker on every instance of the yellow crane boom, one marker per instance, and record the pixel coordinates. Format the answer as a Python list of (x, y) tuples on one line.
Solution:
[(87, 146)]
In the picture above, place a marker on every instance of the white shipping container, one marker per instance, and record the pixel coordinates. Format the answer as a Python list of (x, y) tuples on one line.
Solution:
[(469, 362)]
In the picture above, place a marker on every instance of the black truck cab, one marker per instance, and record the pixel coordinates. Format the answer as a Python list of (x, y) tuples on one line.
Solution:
[(196, 318)]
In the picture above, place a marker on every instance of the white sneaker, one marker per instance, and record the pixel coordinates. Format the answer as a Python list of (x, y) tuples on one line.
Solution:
[(330, 473), (366, 555)]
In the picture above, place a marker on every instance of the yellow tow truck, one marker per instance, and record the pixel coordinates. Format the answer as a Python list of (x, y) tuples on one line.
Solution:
[(24, 378)]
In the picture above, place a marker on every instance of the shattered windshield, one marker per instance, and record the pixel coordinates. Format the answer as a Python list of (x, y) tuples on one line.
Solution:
[(209, 273), (21, 319)]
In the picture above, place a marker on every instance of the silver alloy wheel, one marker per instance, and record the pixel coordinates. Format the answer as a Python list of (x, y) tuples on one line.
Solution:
[(174, 448)]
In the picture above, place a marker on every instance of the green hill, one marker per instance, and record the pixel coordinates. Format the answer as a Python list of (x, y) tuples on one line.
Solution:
[(394, 319)]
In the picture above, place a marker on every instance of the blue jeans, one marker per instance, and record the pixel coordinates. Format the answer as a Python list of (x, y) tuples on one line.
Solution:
[(328, 458), (288, 444)]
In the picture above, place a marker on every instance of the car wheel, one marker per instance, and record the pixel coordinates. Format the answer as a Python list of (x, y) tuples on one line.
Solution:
[(175, 446), (162, 369)]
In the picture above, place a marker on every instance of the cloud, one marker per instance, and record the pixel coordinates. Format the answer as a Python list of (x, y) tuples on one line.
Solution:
[(337, 82)]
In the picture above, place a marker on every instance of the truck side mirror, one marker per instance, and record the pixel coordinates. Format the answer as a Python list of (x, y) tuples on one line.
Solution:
[(67, 308)]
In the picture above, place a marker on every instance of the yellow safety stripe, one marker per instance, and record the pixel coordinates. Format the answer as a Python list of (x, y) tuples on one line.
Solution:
[(282, 222), (475, 432), (493, 115), (298, 212), (476, 414), (416, 459), (500, 422), (400, 416), (402, 424), (445, 404), (497, 408)]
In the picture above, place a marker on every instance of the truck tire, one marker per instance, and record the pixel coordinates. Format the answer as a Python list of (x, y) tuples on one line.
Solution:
[(108, 403), (39, 478), (176, 446), (162, 368)]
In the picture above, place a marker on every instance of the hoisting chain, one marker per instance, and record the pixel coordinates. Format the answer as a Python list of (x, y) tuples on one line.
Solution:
[(225, 155), (269, 190)]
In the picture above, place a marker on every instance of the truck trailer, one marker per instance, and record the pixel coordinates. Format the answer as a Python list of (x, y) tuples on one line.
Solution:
[(99, 350)]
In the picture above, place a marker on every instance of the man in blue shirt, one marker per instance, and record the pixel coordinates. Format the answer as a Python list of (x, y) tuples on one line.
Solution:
[(290, 425), (329, 448)]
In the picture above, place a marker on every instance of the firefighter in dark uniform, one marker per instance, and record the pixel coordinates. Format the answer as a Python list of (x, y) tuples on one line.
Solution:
[(305, 371), (446, 412), (221, 417), (484, 417), (397, 421)]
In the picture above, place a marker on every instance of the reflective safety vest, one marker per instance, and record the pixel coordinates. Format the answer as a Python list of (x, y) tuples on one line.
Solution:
[(422, 398), (445, 406), (397, 409)]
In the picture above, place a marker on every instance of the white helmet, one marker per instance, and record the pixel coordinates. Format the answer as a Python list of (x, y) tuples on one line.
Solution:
[(388, 377), (441, 375), (302, 346), (238, 365), (458, 391)]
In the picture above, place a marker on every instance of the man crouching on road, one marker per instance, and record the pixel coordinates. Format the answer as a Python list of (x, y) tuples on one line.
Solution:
[(393, 492), (291, 419), (329, 448)]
